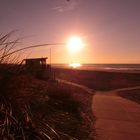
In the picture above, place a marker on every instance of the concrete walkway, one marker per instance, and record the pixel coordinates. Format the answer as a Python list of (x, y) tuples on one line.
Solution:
[(117, 118)]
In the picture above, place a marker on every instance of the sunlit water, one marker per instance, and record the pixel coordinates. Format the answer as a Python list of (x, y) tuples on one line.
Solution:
[(75, 65), (108, 67)]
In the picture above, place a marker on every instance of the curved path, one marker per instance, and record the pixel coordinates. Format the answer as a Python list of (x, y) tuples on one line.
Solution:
[(117, 118)]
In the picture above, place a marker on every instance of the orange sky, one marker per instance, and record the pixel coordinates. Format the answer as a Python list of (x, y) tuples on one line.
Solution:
[(110, 28)]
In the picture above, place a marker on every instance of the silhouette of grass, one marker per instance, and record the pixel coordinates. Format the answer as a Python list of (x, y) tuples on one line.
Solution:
[(36, 110), (44, 110)]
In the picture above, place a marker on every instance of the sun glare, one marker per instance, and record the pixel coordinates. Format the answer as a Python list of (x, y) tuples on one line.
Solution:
[(75, 44), (75, 65)]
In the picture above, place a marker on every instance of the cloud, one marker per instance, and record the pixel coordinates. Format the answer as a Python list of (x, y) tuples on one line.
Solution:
[(66, 6)]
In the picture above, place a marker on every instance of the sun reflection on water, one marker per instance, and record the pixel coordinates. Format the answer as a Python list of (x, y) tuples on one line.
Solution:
[(75, 65)]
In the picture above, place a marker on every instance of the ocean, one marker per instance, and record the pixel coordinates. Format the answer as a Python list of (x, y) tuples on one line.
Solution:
[(115, 67)]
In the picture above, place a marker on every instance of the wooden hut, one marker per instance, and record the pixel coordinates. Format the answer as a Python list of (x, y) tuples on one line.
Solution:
[(38, 67)]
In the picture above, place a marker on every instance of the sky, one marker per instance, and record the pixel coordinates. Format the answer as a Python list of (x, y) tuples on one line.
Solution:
[(109, 28)]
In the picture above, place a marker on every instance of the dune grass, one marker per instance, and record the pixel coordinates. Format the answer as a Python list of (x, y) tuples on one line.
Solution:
[(44, 111), (36, 110), (15, 127)]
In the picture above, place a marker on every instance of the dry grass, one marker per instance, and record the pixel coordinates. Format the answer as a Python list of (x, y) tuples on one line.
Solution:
[(7, 46), (14, 127), (36, 110), (42, 110)]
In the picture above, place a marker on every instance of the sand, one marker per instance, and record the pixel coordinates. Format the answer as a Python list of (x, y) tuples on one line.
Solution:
[(99, 80)]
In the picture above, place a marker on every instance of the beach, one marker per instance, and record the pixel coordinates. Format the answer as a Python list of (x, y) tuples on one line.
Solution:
[(115, 103), (99, 79)]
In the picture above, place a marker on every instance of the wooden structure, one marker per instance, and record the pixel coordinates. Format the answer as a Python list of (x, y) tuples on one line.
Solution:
[(38, 67)]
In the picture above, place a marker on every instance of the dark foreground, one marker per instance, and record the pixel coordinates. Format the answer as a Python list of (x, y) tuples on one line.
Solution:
[(32, 109)]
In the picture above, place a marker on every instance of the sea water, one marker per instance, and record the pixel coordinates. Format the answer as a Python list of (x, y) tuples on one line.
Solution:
[(116, 67), (125, 67)]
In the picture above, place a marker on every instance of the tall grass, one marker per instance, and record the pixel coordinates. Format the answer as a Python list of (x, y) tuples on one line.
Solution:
[(13, 127), (56, 118), (60, 115), (6, 47)]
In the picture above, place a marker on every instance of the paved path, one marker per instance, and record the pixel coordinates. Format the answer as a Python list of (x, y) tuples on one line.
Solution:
[(117, 118)]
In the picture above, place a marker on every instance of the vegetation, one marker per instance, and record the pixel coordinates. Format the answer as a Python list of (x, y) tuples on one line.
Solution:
[(32, 109)]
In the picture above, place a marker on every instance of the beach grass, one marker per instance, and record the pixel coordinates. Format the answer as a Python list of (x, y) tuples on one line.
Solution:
[(32, 109), (40, 109)]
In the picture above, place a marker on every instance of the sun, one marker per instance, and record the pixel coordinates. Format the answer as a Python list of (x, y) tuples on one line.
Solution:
[(74, 44)]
